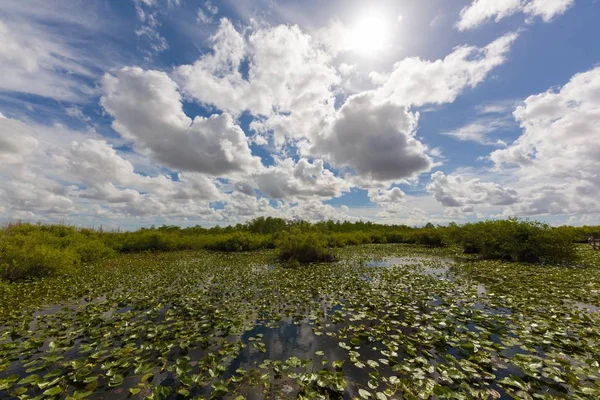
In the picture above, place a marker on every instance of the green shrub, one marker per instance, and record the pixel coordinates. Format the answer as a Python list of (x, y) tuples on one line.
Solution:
[(92, 249), (240, 241), (21, 259), (303, 248), (147, 241), (515, 240), (396, 237), (431, 237), (30, 251)]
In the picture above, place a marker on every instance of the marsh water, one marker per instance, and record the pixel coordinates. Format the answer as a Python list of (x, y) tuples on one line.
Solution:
[(371, 325)]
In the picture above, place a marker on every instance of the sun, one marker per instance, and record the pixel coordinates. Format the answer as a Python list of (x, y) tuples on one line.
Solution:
[(368, 36)]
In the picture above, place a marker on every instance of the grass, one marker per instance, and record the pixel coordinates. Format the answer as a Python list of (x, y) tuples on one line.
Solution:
[(206, 324)]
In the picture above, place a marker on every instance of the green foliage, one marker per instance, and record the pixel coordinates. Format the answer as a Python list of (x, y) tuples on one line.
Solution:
[(303, 248), (30, 251), (92, 250), (514, 240), (20, 257), (432, 237), (267, 225), (239, 241), (146, 240)]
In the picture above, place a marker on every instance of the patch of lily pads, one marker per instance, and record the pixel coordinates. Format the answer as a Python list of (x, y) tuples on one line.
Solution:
[(383, 322)]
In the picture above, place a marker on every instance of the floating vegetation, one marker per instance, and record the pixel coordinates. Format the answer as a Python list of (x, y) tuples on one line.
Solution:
[(237, 326)]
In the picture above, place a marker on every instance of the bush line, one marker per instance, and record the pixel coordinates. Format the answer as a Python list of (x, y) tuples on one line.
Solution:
[(32, 251)]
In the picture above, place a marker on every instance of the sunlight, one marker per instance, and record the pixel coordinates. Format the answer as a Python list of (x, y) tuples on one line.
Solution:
[(368, 36)]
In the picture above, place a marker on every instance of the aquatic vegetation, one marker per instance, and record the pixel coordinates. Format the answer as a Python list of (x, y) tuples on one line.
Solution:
[(385, 321)]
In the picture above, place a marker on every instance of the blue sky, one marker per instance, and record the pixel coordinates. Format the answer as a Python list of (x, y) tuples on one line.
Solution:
[(138, 112)]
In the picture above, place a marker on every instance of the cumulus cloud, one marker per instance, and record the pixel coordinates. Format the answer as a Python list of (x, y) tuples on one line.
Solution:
[(45, 178), (30, 193), (147, 109), (16, 141), (556, 157), (393, 195), (481, 11), (373, 133), (416, 82), (288, 78), (291, 83), (455, 191), (375, 139), (304, 179)]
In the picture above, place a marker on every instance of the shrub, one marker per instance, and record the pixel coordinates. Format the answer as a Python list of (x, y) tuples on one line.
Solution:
[(239, 241), (515, 240), (29, 251), (92, 250), (303, 248), (431, 237), (396, 237), (147, 241), (20, 259)]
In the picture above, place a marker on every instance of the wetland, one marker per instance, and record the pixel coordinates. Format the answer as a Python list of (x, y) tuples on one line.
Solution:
[(384, 321)]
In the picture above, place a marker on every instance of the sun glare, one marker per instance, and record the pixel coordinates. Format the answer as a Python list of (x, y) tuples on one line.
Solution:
[(368, 36)]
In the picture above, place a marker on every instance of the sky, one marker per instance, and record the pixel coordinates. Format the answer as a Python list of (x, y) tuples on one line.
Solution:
[(131, 113)]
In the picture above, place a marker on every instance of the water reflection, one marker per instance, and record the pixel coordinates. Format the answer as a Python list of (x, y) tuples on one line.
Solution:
[(438, 267)]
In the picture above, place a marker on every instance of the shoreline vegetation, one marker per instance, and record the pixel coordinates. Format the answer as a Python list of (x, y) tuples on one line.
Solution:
[(480, 311), (35, 251)]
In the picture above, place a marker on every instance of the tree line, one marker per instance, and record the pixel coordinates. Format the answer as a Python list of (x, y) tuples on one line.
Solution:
[(37, 250)]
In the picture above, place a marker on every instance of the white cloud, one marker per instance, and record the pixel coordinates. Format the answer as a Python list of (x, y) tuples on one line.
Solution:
[(346, 69), (148, 13), (481, 11), (497, 107), (16, 141), (556, 157), (454, 191), (416, 82), (39, 62), (289, 79), (205, 16), (375, 139), (147, 109), (292, 181), (479, 132), (158, 43), (76, 112), (393, 195), (202, 17), (292, 88), (211, 8), (41, 177), (547, 9)]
